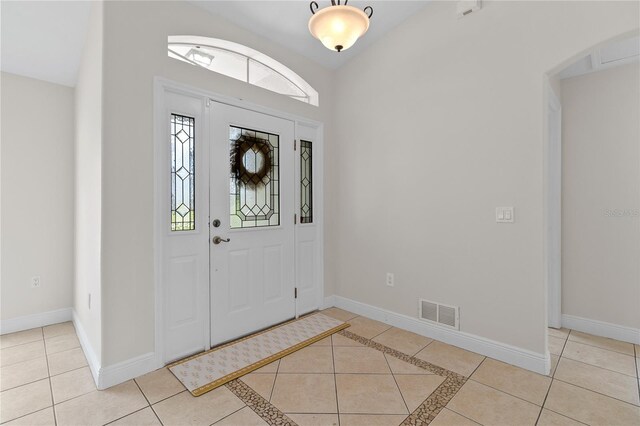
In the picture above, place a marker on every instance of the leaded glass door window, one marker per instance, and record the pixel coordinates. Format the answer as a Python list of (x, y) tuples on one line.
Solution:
[(306, 182), (183, 189), (254, 178)]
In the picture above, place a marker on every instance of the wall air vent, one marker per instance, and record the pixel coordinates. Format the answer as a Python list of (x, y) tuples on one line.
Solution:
[(428, 310), (437, 313)]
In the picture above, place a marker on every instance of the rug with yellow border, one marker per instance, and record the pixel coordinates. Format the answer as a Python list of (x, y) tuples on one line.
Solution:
[(211, 369)]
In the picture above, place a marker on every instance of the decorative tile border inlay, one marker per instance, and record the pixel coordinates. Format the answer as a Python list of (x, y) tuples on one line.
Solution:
[(401, 355), (423, 415), (439, 398), (431, 407), (263, 408)]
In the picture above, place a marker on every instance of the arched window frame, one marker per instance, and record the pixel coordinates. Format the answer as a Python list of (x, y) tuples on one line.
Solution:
[(310, 94)]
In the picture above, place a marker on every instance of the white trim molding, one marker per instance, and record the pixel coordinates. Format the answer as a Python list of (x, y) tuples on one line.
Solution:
[(329, 302), (553, 205), (112, 375), (520, 357), (104, 377), (28, 322), (601, 328), (127, 370), (89, 353)]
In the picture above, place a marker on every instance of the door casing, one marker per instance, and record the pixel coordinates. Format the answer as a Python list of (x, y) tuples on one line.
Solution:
[(305, 234), (553, 209)]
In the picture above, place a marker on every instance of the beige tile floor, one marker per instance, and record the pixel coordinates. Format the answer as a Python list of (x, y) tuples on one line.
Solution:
[(45, 380)]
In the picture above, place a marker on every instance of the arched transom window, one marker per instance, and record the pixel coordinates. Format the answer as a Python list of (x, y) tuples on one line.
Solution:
[(242, 63)]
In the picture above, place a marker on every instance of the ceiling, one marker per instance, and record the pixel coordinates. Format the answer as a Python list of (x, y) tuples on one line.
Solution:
[(43, 39), (285, 23), (620, 52)]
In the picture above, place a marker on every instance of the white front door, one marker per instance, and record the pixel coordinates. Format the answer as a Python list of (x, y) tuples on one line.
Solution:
[(251, 239)]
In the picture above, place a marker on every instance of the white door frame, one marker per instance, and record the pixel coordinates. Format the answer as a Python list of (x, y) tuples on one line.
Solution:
[(553, 207), (304, 128)]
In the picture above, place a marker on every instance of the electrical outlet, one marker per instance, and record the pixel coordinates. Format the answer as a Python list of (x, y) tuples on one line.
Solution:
[(390, 279), (35, 282)]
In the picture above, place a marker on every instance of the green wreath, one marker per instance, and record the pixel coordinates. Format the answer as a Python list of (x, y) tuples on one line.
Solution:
[(240, 148)]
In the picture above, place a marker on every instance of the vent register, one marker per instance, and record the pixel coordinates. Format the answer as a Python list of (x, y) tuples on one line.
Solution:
[(438, 313)]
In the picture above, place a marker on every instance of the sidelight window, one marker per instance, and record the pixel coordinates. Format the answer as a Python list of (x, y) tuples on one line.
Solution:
[(183, 186), (306, 182)]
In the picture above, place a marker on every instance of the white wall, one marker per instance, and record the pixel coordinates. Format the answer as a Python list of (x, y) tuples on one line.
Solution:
[(436, 125), (88, 188), (601, 196), (135, 51), (37, 196)]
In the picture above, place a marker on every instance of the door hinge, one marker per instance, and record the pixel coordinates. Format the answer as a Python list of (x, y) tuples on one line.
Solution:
[(295, 292), (295, 144), (295, 219), (208, 102)]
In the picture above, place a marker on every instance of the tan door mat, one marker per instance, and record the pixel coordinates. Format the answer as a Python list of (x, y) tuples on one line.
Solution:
[(209, 370)]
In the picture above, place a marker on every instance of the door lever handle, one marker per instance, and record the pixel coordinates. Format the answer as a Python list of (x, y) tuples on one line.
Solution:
[(218, 240)]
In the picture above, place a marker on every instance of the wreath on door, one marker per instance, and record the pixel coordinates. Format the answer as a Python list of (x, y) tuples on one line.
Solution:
[(259, 147)]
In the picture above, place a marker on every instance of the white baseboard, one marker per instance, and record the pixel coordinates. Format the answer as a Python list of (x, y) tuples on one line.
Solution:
[(601, 328), (112, 375), (537, 362), (104, 377), (127, 370), (27, 322), (89, 352), (329, 302)]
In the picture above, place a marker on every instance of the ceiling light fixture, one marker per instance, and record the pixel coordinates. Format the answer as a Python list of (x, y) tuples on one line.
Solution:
[(199, 56), (338, 27)]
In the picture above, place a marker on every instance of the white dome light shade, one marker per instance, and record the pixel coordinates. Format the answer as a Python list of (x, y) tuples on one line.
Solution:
[(339, 27)]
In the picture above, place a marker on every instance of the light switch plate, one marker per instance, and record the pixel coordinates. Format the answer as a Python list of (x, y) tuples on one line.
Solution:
[(504, 215)]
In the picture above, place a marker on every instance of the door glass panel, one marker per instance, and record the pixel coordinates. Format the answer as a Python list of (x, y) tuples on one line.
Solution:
[(217, 60), (183, 185), (265, 77), (254, 182), (306, 183)]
